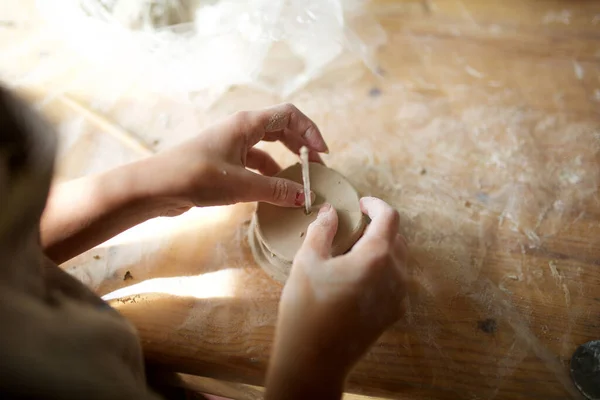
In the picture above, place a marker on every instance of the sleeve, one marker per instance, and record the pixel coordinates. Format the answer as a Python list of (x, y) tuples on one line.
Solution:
[(66, 350)]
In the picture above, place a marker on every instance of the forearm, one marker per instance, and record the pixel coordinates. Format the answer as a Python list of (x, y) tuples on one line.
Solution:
[(86, 212), (299, 370), (291, 379)]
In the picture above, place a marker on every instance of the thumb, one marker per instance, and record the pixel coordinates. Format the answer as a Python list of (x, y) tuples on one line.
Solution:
[(278, 191), (320, 234)]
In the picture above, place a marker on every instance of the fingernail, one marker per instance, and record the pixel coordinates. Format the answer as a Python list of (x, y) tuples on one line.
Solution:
[(299, 200), (324, 209), (308, 136)]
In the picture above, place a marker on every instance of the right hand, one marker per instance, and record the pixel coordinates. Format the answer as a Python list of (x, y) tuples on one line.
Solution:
[(334, 308), (214, 168)]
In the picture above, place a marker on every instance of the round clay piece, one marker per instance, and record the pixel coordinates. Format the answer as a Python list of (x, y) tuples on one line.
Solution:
[(278, 232)]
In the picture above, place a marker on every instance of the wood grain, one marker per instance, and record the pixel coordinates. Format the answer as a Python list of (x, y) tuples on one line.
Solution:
[(504, 282)]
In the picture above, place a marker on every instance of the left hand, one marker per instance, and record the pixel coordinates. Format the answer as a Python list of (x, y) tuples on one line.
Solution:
[(333, 309), (213, 168)]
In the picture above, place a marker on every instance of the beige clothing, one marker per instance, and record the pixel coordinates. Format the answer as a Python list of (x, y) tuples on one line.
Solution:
[(58, 340)]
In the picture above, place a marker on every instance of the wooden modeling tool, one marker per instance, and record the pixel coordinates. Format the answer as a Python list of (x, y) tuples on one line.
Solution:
[(305, 179)]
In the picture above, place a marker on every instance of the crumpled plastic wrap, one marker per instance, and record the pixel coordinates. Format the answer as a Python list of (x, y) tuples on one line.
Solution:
[(192, 45)]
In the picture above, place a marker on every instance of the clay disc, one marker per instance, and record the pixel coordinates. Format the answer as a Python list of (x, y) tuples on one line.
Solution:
[(274, 267), (282, 230)]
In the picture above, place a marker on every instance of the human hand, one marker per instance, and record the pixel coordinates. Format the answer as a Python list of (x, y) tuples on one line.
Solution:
[(333, 309), (211, 169)]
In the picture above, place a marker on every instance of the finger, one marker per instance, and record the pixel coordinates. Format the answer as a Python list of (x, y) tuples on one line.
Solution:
[(294, 145), (320, 234), (278, 191), (288, 124), (283, 122), (262, 162), (384, 220)]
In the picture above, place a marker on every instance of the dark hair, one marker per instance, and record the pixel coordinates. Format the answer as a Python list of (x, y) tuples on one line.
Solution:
[(27, 150), (14, 141)]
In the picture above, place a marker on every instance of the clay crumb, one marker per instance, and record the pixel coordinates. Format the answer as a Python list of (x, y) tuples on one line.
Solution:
[(423, 171), (277, 122), (130, 299), (301, 234), (127, 276), (155, 142), (97, 257), (375, 92), (468, 204)]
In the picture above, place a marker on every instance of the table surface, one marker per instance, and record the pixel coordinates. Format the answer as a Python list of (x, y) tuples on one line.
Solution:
[(482, 127)]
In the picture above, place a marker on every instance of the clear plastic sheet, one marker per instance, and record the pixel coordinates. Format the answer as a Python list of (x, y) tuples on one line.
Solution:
[(175, 46)]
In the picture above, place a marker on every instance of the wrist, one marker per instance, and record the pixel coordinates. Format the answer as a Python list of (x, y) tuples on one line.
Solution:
[(138, 186), (125, 189)]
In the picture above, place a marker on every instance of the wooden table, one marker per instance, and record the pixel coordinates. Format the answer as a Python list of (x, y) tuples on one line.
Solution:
[(483, 130)]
